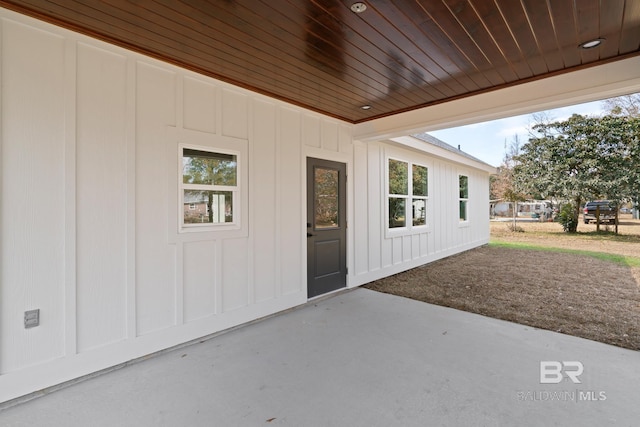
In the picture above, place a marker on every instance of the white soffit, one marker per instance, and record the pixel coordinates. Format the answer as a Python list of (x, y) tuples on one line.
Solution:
[(590, 84)]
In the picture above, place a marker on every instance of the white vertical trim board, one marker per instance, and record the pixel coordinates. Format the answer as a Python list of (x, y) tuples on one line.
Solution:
[(131, 199), (70, 198)]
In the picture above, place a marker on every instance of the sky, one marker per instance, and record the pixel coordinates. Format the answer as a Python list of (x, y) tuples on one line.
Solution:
[(487, 140)]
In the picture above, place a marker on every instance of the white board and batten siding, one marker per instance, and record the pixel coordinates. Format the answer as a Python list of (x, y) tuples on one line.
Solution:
[(89, 208), (380, 253), (89, 205)]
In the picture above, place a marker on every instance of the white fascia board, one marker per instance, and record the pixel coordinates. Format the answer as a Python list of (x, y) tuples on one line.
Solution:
[(576, 87), (434, 150)]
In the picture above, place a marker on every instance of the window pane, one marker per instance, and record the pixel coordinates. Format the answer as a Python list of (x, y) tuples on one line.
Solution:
[(208, 207), (397, 217), (464, 187), (463, 210), (398, 177), (419, 181), (419, 211), (326, 198), (208, 168)]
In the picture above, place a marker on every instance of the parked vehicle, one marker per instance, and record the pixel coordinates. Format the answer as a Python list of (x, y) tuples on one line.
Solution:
[(605, 208)]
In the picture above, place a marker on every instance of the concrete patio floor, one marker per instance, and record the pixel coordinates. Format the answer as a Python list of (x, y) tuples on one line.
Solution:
[(359, 358)]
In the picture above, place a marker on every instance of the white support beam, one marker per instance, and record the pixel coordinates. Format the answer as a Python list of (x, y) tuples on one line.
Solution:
[(590, 84)]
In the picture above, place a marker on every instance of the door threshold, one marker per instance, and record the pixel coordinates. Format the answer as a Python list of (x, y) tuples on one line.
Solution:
[(330, 294)]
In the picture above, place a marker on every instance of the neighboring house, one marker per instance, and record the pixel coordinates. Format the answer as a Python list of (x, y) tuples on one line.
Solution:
[(198, 209), (125, 251)]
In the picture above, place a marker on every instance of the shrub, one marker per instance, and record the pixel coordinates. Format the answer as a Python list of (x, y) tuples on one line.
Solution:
[(567, 218)]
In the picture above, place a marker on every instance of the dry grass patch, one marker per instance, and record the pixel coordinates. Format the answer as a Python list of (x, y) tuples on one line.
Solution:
[(594, 297)]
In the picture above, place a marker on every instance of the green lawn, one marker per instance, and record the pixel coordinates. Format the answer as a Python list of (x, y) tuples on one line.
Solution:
[(618, 259)]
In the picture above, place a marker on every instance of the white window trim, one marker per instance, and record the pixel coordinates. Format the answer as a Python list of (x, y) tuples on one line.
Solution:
[(213, 142), (409, 228), (235, 191)]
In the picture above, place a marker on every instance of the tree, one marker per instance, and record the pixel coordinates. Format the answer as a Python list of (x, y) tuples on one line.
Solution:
[(582, 158), (627, 105), (621, 151), (504, 186)]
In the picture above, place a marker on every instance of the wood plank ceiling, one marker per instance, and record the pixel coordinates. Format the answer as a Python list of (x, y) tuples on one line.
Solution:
[(395, 56)]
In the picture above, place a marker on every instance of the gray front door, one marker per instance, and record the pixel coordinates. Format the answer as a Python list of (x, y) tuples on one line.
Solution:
[(326, 226)]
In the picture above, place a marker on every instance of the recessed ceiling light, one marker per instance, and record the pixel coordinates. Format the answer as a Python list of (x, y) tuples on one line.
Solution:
[(591, 43), (366, 107), (358, 7)]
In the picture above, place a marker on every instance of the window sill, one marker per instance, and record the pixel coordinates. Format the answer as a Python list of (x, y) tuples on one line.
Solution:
[(401, 232)]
